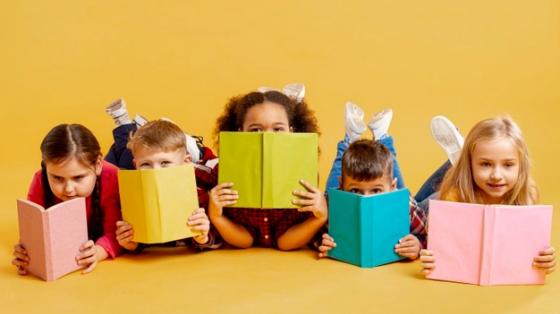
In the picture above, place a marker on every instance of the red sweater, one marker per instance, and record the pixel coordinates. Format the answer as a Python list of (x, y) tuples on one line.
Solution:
[(110, 205)]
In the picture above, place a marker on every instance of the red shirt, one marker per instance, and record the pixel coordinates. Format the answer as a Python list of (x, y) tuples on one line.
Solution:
[(266, 225), (110, 205)]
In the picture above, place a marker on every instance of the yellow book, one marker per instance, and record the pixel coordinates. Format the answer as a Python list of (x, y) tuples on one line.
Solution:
[(158, 202)]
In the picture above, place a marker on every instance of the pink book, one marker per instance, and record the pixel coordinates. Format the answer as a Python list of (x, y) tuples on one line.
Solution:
[(488, 244), (53, 236)]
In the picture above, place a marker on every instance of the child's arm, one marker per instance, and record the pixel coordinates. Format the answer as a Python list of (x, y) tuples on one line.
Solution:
[(327, 244), (428, 261), (222, 196), (198, 222), (90, 254), (312, 201), (546, 260), (409, 246), (125, 234), (21, 259)]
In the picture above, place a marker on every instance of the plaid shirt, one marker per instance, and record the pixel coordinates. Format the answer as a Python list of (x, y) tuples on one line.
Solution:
[(418, 222), (266, 225)]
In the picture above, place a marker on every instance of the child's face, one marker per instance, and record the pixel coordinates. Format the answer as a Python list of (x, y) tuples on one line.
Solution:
[(375, 186), (150, 158), (266, 117), (72, 178), (495, 165)]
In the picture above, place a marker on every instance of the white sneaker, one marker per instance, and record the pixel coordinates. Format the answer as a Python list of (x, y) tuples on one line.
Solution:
[(140, 120), (117, 110), (379, 124), (192, 148), (354, 121), (448, 137)]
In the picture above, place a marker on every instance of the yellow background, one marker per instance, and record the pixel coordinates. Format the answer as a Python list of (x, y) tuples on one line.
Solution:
[(64, 61)]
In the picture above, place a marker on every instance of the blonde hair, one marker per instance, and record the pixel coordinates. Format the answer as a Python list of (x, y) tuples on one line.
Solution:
[(458, 183), (158, 134)]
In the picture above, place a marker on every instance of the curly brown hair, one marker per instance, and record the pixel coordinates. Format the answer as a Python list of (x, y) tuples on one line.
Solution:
[(300, 117)]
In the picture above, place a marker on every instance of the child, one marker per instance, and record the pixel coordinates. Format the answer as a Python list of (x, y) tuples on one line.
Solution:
[(492, 168), (285, 229), (366, 167), (72, 166), (161, 144)]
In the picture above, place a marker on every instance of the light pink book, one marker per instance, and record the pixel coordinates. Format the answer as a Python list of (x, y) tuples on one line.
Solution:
[(488, 244), (53, 236)]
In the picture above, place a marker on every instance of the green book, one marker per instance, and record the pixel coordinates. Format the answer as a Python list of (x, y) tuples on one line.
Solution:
[(266, 167)]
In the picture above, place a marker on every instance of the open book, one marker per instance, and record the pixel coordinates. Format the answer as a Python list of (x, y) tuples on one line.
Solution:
[(487, 244), (266, 167), (158, 202), (367, 228), (53, 236)]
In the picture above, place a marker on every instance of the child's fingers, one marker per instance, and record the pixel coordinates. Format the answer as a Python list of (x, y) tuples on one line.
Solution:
[(549, 251), (123, 229), (308, 186), (89, 268), (303, 202), (22, 270), (408, 237), (426, 252), (544, 258), (197, 216), (328, 237), (88, 245), (328, 243), (19, 248), (19, 262), (545, 265), (227, 197), (427, 271), (303, 194), (226, 192), (228, 203), (125, 236), (323, 254), (86, 260), (122, 223), (427, 258), (21, 256)]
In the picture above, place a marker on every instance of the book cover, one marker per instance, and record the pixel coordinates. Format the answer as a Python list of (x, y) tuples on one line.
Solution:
[(266, 167), (158, 202), (488, 244), (367, 228), (53, 236)]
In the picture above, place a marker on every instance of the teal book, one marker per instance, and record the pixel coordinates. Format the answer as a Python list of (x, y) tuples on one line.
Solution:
[(265, 167), (367, 228)]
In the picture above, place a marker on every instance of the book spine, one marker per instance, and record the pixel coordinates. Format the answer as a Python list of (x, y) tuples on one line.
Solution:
[(487, 246), (47, 244)]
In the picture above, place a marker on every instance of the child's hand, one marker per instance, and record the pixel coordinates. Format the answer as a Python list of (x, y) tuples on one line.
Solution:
[(21, 259), (89, 256), (327, 244), (198, 222), (428, 261), (409, 246), (311, 201), (221, 196), (546, 260), (125, 233)]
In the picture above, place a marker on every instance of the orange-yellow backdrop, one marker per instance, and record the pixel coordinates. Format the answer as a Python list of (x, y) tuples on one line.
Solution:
[(64, 61)]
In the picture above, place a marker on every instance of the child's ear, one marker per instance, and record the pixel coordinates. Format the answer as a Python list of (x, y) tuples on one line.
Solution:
[(394, 184), (188, 158), (291, 129), (98, 165), (134, 163)]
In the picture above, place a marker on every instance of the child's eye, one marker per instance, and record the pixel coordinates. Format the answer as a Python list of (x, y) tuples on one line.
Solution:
[(165, 163), (356, 191), (279, 129), (58, 179), (78, 178), (377, 191), (509, 164), (485, 164), (255, 130), (145, 165)]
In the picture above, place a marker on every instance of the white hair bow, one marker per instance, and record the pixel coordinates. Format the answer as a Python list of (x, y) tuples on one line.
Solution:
[(294, 90)]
